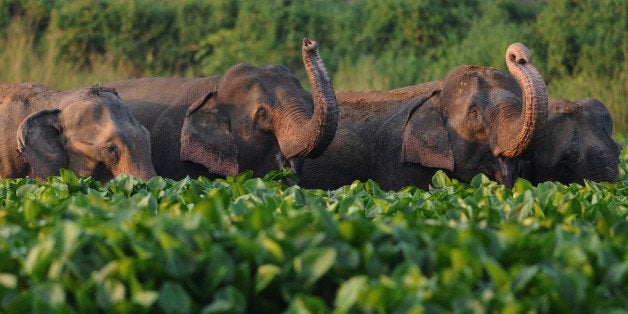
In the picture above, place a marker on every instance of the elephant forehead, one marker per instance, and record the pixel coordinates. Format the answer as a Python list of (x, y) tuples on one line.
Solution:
[(97, 110), (242, 93), (502, 96), (84, 112), (268, 73), (260, 82), (87, 119)]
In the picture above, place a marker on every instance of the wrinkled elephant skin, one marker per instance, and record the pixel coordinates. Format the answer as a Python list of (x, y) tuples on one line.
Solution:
[(89, 131), (577, 144), (250, 118), (478, 120)]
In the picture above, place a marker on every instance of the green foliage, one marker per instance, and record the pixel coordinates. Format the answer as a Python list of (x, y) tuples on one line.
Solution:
[(365, 44), (239, 244), (585, 30)]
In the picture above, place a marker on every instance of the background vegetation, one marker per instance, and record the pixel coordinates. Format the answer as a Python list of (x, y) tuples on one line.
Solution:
[(580, 47)]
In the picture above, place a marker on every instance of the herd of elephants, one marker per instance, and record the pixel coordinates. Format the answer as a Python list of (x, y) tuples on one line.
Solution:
[(477, 120)]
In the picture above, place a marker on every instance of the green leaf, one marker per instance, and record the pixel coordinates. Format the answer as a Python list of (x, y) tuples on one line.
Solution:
[(48, 297), (174, 299), (227, 300), (265, 275), (282, 175), (110, 292), (523, 277), (32, 209), (68, 176), (497, 274), (8, 280), (441, 180), (480, 180), (349, 292), (39, 258), (145, 298), (304, 303), (314, 263), (273, 248)]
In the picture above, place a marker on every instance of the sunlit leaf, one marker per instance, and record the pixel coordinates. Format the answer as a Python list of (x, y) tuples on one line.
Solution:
[(304, 303), (497, 274), (110, 292), (265, 275), (440, 180), (314, 263), (8, 280), (145, 298), (349, 292)]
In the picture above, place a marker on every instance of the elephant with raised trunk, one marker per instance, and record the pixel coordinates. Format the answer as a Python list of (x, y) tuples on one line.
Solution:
[(89, 131), (478, 120), (577, 144), (251, 118)]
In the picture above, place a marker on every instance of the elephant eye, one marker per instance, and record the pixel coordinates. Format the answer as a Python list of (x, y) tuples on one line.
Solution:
[(263, 118), (473, 111), (109, 154)]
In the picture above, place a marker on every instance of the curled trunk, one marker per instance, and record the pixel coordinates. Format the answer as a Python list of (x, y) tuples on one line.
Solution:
[(314, 135), (518, 132)]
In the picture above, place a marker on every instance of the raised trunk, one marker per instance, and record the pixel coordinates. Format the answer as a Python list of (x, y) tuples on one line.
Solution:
[(313, 136), (520, 133)]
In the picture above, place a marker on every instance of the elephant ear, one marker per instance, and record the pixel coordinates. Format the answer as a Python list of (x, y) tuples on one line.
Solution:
[(39, 142), (425, 138), (207, 140)]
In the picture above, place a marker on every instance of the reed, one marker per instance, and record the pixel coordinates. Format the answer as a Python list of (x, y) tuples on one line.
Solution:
[(22, 61)]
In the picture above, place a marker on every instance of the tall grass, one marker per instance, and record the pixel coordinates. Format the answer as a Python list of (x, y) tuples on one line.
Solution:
[(22, 61)]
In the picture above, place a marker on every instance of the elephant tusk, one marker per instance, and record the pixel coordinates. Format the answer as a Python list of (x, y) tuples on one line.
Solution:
[(296, 164)]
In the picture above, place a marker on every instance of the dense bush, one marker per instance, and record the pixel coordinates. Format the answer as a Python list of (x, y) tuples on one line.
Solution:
[(577, 45), (246, 244)]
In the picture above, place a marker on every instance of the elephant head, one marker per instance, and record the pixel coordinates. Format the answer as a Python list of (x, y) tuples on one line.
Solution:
[(260, 117), (92, 133), (577, 144), (480, 119)]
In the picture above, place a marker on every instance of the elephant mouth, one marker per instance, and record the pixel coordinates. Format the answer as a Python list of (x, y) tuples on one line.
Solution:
[(295, 164)]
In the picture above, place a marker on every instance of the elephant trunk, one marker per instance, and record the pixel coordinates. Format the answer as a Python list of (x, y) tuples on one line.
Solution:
[(520, 133), (599, 165), (316, 134), (135, 157), (141, 170)]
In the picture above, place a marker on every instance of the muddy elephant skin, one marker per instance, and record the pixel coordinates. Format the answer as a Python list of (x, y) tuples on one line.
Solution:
[(89, 131), (478, 120), (577, 144), (250, 118)]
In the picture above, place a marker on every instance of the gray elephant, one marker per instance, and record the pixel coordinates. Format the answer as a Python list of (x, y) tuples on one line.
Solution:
[(251, 118), (577, 144), (89, 131), (478, 120)]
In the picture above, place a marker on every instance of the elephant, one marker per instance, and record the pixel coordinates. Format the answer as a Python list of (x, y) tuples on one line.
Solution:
[(577, 144), (89, 131), (478, 120), (250, 118)]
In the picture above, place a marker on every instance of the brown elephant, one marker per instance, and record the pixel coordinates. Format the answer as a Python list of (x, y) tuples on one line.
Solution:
[(251, 118), (577, 144), (89, 131), (478, 120)]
